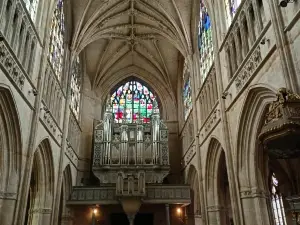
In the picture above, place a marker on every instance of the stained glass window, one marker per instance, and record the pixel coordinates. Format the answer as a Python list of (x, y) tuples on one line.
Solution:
[(132, 102), (56, 47), (205, 44), (231, 7), (75, 87), (31, 6), (277, 204), (187, 97)]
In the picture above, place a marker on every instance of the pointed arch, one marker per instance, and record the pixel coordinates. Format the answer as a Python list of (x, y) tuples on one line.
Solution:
[(219, 206), (193, 181), (67, 182), (10, 142), (167, 99), (212, 166), (43, 172), (249, 160), (66, 189)]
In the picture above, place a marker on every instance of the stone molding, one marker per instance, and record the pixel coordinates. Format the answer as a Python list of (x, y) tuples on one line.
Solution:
[(8, 195), (10, 65), (255, 193), (248, 69), (215, 208), (41, 211)]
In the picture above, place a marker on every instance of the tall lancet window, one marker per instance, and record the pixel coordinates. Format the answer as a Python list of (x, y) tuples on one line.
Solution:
[(32, 6), (231, 7), (277, 204), (187, 92), (205, 44), (76, 87), (132, 102), (56, 45)]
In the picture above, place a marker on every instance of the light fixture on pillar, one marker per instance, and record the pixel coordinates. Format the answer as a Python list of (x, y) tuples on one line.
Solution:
[(180, 215), (283, 3), (94, 213)]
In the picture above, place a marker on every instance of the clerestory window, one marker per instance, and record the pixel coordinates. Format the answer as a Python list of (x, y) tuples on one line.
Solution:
[(31, 6), (205, 44), (75, 87), (56, 45)]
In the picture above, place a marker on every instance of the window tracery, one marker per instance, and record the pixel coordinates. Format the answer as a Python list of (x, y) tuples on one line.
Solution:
[(205, 44), (187, 96), (56, 48), (31, 6), (75, 87), (231, 7), (132, 102), (277, 204)]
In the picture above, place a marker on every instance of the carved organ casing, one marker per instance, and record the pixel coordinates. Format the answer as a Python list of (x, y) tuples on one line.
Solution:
[(130, 155)]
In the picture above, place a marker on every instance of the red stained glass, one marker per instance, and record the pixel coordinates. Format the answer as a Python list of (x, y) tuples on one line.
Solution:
[(136, 99)]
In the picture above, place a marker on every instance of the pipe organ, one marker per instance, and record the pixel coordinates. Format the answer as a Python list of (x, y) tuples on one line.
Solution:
[(131, 155)]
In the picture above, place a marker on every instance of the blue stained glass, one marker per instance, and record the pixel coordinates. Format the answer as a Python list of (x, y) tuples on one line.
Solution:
[(187, 97), (205, 44), (75, 87), (56, 48)]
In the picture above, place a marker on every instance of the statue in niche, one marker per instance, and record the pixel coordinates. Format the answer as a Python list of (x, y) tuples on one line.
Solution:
[(120, 184), (141, 183), (130, 184)]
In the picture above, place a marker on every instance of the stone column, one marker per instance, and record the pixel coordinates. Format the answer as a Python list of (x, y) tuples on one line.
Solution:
[(9, 27), (15, 38), (66, 219), (238, 49), (214, 217), (228, 63), (40, 216), (244, 39), (7, 207), (168, 214), (254, 206), (26, 60), (257, 15), (251, 30), (232, 58)]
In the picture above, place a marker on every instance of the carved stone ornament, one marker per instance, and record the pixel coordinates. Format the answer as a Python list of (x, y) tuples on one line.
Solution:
[(281, 131)]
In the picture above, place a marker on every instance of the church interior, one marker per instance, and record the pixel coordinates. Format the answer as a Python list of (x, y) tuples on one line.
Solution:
[(149, 112)]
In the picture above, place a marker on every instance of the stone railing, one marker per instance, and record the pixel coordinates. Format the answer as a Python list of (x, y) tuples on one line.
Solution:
[(208, 95), (73, 140), (243, 32), (187, 134), (188, 156), (11, 67), (74, 132), (50, 124), (53, 95), (19, 32), (155, 194)]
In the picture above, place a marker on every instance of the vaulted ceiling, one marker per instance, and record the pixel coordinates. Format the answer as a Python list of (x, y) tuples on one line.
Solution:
[(147, 36)]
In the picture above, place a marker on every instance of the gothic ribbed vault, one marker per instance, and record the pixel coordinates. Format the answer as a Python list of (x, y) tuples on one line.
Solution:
[(146, 35)]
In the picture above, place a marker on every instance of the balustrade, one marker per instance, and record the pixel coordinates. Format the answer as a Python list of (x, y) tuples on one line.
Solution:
[(52, 93), (74, 132), (208, 95), (187, 134), (18, 31), (243, 32)]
